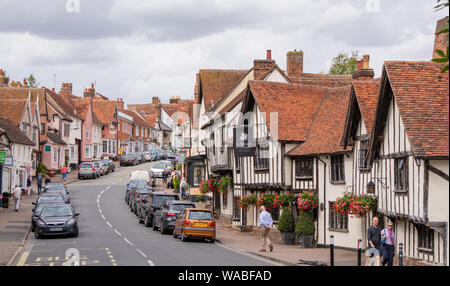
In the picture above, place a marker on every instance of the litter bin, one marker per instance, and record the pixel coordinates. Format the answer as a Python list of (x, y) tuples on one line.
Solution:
[(5, 200)]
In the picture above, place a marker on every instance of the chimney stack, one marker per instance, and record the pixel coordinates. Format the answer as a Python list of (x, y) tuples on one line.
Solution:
[(89, 92), (66, 89), (294, 63), (4, 80), (174, 99), (440, 39), (120, 103), (260, 67), (155, 100), (363, 70)]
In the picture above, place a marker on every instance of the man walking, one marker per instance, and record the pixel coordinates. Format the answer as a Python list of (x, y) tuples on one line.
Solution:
[(17, 193), (265, 220), (39, 183), (374, 238)]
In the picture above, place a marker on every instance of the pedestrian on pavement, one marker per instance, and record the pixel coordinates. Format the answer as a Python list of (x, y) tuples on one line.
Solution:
[(47, 179), (29, 188), (165, 175), (64, 172), (265, 220), (183, 187), (17, 193), (39, 183), (374, 238), (388, 244)]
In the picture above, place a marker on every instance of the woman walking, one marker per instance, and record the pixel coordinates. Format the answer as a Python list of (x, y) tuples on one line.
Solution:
[(388, 240)]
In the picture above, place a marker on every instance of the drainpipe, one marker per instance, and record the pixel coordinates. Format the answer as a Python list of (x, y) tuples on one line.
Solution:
[(324, 200)]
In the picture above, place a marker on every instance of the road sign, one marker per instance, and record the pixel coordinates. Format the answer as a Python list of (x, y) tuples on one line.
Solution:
[(2, 156), (48, 148)]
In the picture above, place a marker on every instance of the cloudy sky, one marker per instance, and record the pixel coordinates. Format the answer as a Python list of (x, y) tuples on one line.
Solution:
[(136, 49)]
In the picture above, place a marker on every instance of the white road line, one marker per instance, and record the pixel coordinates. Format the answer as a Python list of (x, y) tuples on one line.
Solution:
[(108, 187), (103, 217), (151, 263), (110, 225), (128, 242), (115, 230), (100, 210), (142, 253)]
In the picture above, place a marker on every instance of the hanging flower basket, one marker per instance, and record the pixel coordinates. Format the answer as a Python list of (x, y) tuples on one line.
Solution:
[(284, 200), (362, 205), (307, 201), (266, 200), (342, 205), (207, 186), (248, 200), (224, 184)]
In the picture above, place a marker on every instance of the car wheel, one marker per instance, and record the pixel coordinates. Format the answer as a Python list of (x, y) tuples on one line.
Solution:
[(75, 234), (174, 234), (146, 221), (155, 227), (212, 240), (140, 218), (183, 237), (162, 229), (37, 235), (79, 177)]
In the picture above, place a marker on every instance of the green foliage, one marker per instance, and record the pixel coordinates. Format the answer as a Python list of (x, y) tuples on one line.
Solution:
[(247, 200), (224, 183), (42, 169), (305, 224), (286, 221), (176, 183), (444, 57), (344, 63), (441, 4), (178, 166), (32, 81), (284, 200), (200, 198), (266, 200)]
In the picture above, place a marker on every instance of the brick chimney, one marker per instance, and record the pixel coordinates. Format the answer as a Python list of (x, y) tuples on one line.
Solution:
[(89, 92), (120, 103), (440, 39), (294, 63), (363, 70), (155, 100), (197, 87), (25, 83), (66, 89), (4, 80), (260, 67), (174, 99)]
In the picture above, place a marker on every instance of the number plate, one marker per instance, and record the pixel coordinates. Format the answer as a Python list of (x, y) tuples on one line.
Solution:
[(56, 229), (201, 224), (86, 170)]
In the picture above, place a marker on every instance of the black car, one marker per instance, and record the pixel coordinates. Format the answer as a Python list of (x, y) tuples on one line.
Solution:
[(136, 194), (43, 198), (58, 190), (38, 209), (56, 219), (165, 216), (128, 160), (152, 202), (55, 184), (109, 164), (132, 185)]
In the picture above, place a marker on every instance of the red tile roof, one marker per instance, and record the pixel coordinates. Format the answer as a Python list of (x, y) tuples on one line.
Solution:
[(138, 120), (13, 132), (422, 94), (366, 92), (12, 109), (324, 80), (295, 104), (104, 110), (326, 130)]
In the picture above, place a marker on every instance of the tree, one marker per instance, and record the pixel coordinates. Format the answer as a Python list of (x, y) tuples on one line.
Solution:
[(32, 81), (444, 56), (344, 63)]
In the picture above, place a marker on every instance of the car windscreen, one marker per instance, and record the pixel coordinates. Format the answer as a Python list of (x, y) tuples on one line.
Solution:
[(158, 167), (55, 184), (159, 200), (180, 207), (126, 157), (200, 215), (105, 162), (85, 165), (142, 191), (137, 184), (57, 191), (56, 211), (49, 198)]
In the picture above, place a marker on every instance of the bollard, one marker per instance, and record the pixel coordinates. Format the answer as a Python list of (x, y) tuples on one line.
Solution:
[(400, 254), (359, 252), (331, 250)]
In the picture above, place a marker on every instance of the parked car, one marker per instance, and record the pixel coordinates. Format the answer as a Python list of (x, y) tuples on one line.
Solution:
[(151, 203), (165, 216), (101, 167), (52, 184), (195, 223), (110, 165), (87, 170), (128, 160), (43, 198), (58, 190), (38, 209), (157, 170), (137, 193), (147, 156), (134, 184), (98, 168), (56, 219)]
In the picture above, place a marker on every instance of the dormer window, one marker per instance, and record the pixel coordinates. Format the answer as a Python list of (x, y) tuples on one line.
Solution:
[(363, 148)]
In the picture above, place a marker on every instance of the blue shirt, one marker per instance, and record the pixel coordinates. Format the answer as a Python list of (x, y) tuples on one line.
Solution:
[(265, 219)]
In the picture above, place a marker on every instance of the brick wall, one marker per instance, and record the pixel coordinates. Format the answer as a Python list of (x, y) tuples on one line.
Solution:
[(440, 40)]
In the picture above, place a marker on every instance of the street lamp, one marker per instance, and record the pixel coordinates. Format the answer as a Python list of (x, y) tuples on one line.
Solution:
[(371, 187)]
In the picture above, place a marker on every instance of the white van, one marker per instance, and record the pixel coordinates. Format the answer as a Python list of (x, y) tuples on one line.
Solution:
[(142, 175)]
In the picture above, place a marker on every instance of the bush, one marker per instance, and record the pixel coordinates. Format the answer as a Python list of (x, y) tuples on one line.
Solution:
[(286, 221), (176, 183), (42, 169), (305, 224)]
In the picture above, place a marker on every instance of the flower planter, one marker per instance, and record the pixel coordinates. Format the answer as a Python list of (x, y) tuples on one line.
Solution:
[(305, 241), (288, 238)]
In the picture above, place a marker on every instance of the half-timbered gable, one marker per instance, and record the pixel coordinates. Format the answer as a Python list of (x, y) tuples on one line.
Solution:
[(409, 152)]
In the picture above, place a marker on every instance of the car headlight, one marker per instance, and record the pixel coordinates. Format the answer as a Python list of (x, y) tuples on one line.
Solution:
[(70, 221), (41, 223)]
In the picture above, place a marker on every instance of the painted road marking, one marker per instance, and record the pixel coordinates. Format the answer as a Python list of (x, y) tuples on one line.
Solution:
[(128, 242), (115, 230), (142, 253), (103, 217), (150, 263), (23, 258), (108, 187), (110, 225)]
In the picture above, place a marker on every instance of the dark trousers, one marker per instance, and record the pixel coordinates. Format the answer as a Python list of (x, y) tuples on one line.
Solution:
[(388, 255), (39, 188)]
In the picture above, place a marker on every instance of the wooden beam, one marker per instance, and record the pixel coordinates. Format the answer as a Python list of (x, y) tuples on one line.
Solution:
[(438, 172)]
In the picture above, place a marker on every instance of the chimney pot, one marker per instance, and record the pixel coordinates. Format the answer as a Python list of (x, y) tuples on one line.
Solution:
[(294, 63), (359, 65), (269, 55), (366, 60), (92, 85)]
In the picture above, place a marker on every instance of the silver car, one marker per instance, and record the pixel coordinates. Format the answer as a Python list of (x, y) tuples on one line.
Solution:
[(103, 168), (88, 170)]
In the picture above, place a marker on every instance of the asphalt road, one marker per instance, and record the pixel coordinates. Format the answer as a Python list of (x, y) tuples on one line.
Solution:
[(111, 235)]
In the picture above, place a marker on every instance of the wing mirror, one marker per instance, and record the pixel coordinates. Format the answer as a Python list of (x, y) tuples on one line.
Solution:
[(76, 214), (33, 203)]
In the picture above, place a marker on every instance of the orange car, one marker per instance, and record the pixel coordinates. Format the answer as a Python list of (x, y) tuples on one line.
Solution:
[(194, 222)]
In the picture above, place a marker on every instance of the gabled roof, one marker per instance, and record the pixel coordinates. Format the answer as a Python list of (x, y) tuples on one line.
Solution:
[(214, 83), (180, 109), (66, 106), (148, 108), (421, 92), (151, 119), (56, 138), (13, 132), (13, 109), (23, 93), (295, 104), (82, 106), (326, 130), (324, 80), (363, 104), (138, 120), (104, 110)]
